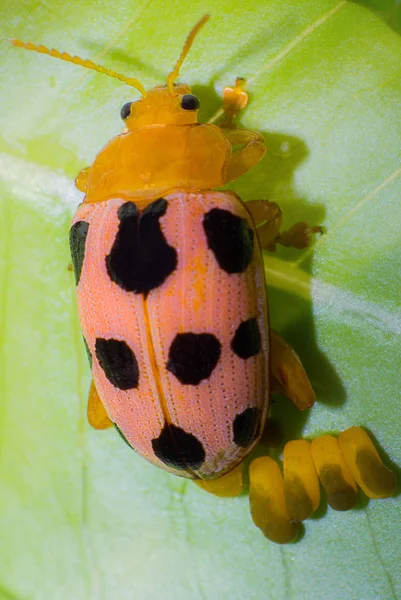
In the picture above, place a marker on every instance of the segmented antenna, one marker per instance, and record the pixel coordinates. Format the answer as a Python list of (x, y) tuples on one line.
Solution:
[(187, 46), (88, 64)]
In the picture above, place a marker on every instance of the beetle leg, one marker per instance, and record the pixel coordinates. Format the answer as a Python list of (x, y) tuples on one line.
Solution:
[(228, 485), (267, 217), (252, 142), (97, 415), (81, 179), (300, 235), (288, 375), (252, 151)]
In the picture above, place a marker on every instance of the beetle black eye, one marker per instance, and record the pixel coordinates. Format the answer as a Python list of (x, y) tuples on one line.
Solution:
[(189, 102), (125, 111)]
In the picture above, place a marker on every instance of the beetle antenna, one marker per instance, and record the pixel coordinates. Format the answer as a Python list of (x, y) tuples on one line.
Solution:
[(88, 64), (187, 46)]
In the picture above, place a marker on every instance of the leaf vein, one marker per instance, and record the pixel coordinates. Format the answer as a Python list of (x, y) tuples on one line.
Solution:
[(325, 296), (84, 536), (380, 559), (298, 40), (349, 214), (7, 227)]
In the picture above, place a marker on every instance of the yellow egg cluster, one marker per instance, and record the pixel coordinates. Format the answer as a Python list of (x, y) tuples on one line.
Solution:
[(279, 502)]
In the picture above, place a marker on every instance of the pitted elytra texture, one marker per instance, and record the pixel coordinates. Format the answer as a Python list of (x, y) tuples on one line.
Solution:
[(169, 364)]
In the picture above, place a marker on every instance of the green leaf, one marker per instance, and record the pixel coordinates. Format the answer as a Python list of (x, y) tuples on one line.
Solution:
[(83, 517), (389, 10)]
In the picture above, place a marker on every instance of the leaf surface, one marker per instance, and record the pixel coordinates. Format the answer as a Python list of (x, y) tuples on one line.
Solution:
[(83, 517)]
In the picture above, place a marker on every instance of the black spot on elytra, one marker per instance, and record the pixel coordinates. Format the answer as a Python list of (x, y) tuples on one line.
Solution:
[(193, 356), (246, 341), (246, 427), (141, 259), (178, 449), (230, 238), (78, 235), (118, 363), (88, 352)]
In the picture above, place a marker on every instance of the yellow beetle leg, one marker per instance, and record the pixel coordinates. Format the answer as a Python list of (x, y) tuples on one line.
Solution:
[(97, 415), (288, 374), (266, 497), (363, 460), (253, 150), (244, 158), (333, 472), (301, 483), (228, 485), (300, 235), (81, 179), (267, 217)]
